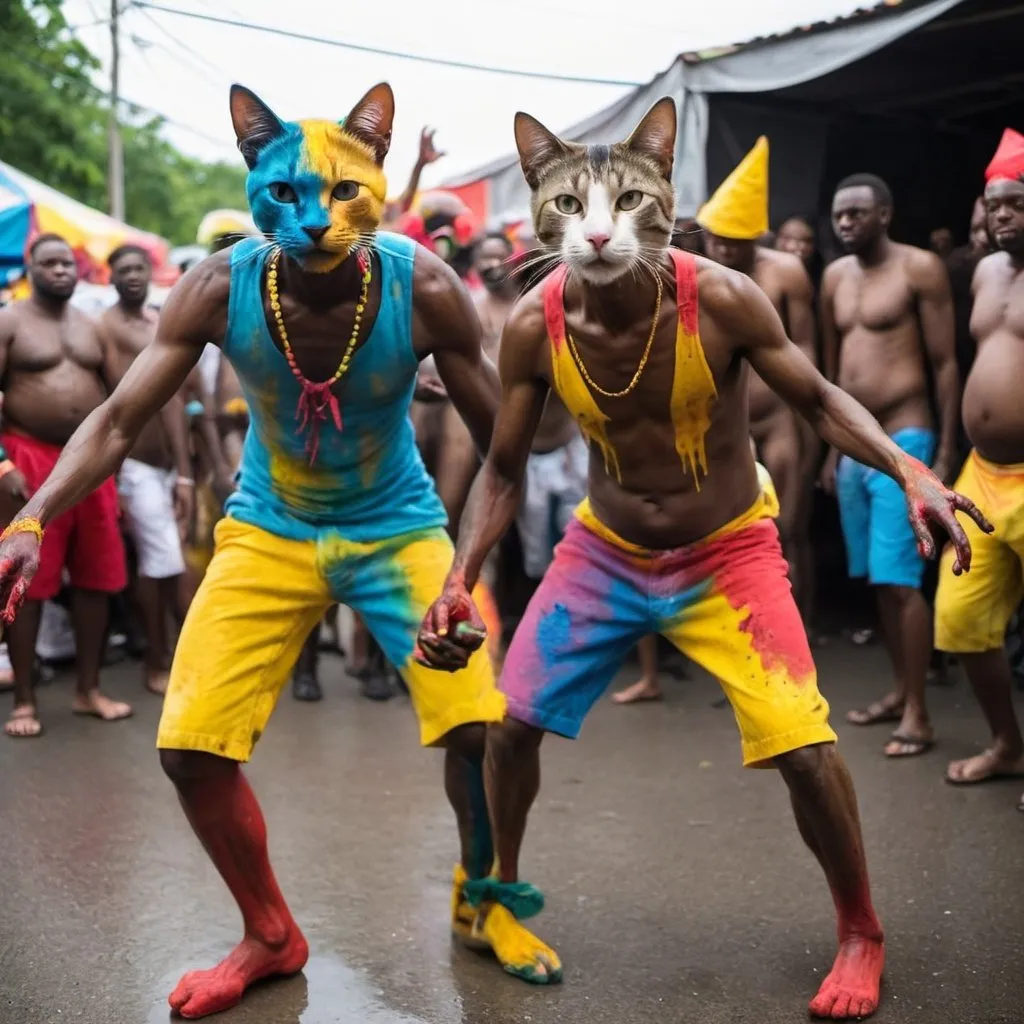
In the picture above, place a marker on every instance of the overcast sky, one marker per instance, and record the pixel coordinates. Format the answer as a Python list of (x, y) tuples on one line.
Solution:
[(183, 67)]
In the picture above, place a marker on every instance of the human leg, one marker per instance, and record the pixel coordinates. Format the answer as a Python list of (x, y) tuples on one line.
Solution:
[(825, 806), (258, 602), (226, 817), (647, 687), (21, 637), (90, 615)]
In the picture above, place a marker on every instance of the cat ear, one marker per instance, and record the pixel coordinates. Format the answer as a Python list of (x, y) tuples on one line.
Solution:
[(655, 135), (255, 123), (537, 146), (370, 120)]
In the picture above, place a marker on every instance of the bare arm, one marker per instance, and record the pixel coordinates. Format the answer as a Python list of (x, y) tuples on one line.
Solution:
[(446, 325), (938, 325), (496, 492), (194, 314), (427, 155), (742, 310)]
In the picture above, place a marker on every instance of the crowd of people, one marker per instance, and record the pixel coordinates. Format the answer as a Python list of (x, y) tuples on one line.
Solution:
[(889, 322), (250, 500)]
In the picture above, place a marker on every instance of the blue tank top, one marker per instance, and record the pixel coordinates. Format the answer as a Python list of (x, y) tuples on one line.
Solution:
[(368, 480)]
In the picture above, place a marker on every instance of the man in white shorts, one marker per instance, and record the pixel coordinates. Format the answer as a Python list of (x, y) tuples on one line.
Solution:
[(155, 484)]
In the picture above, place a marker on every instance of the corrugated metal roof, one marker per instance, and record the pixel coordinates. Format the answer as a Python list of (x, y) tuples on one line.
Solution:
[(871, 11)]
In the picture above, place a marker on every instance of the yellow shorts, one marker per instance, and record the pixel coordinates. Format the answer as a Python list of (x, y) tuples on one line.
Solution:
[(725, 601), (261, 596), (972, 611)]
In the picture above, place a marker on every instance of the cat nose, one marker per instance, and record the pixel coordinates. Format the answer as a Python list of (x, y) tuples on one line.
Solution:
[(315, 233), (598, 241)]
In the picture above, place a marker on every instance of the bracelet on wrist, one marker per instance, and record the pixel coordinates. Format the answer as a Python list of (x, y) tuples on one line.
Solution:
[(26, 524)]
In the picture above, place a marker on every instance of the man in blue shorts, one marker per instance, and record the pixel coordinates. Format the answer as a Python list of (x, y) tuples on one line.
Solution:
[(883, 306)]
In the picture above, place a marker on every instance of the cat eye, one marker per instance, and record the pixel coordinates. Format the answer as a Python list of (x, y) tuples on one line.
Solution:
[(283, 192), (630, 200), (568, 205), (345, 190)]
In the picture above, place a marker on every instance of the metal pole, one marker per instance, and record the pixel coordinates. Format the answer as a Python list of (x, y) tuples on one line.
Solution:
[(115, 164)]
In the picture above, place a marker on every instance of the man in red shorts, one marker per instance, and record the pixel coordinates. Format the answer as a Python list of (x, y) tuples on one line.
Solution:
[(54, 370)]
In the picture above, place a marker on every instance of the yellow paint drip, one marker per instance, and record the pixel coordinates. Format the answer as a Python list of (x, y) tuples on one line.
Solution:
[(693, 391)]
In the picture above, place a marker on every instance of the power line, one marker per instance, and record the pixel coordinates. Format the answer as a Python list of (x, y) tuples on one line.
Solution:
[(199, 63), (462, 65)]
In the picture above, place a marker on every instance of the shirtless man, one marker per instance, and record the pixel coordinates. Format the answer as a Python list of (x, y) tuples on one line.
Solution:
[(54, 371), (734, 219), (155, 482), (885, 308), (676, 536), (971, 615)]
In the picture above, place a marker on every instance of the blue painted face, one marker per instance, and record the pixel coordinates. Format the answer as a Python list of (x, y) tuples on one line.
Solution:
[(315, 188)]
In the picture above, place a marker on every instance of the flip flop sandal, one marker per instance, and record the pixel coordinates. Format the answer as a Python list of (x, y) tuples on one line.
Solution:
[(991, 777), (26, 714), (875, 714), (918, 746)]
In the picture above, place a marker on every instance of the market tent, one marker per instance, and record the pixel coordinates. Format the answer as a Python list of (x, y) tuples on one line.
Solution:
[(29, 208), (915, 91)]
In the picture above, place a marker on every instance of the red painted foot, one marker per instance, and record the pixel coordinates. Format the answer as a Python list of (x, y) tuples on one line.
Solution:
[(850, 992), (200, 993)]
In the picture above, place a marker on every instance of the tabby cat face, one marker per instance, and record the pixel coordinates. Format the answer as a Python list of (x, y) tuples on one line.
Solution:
[(604, 210), (316, 188)]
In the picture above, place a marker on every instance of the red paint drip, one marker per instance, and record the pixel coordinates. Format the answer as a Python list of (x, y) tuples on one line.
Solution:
[(554, 305)]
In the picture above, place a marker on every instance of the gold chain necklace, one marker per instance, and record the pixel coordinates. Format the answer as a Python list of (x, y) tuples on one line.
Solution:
[(643, 359), (317, 398)]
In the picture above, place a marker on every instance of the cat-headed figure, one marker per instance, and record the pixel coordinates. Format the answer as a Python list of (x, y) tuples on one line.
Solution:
[(604, 210), (316, 188)]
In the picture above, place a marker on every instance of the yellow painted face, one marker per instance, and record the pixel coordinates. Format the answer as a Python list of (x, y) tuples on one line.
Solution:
[(350, 190)]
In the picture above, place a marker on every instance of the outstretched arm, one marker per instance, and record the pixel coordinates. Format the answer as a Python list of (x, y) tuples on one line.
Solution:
[(741, 309), (446, 325), (495, 496), (935, 311)]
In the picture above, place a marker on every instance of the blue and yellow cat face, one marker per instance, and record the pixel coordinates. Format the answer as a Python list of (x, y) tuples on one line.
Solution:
[(316, 188)]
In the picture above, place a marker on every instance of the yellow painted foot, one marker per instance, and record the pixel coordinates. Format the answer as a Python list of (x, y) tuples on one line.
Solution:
[(519, 951)]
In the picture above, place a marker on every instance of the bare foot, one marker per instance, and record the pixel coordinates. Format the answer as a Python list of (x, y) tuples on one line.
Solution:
[(642, 690), (156, 680), (519, 951), (888, 709), (992, 764), (200, 993), (23, 723), (850, 991), (95, 704)]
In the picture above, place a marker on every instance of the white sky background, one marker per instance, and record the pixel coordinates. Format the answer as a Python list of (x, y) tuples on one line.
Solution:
[(183, 68)]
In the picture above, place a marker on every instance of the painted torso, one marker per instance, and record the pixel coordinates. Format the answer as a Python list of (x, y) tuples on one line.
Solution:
[(693, 386), (368, 480)]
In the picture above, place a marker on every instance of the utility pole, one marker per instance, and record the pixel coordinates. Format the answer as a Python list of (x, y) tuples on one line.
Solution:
[(115, 154)]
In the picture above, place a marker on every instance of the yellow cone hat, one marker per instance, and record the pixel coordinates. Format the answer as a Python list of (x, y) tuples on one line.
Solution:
[(739, 207)]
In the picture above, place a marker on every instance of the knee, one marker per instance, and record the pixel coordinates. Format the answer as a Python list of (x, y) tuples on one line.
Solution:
[(806, 765), (467, 741), (185, 766), (512, 737)]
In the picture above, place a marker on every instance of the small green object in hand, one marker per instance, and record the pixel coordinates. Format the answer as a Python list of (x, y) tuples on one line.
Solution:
[(466, 631)]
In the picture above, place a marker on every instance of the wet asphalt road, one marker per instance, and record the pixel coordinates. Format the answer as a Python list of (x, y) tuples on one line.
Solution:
[(678, 889)]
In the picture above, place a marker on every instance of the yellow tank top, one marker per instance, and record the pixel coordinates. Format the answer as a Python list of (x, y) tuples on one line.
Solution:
[(693, 387)]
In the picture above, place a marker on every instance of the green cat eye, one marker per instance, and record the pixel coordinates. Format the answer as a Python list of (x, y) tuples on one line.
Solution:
[(630, 200), (567, 204), (283, 192), (345, 190)]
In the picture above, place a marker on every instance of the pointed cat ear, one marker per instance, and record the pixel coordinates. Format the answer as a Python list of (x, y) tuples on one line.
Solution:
[(255, 123), (537, 146), (655, 135), (370, 120)]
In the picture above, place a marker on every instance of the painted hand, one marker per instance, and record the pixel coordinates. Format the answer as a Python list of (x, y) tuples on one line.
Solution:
[(452, 630), (929, 501), (19, 560)]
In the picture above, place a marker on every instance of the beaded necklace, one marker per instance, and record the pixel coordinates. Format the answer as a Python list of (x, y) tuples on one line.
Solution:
[(317, 397)]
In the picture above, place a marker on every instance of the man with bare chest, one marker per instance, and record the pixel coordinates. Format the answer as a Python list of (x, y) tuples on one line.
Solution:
[(54, 371), (885, 309), (971, 615), (733, 219), (155, 482), (649, 348)]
